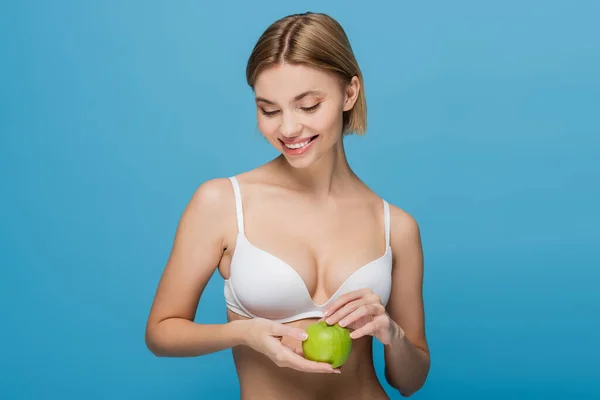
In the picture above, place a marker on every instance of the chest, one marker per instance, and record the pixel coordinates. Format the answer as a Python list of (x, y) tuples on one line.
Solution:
[(324, 246)]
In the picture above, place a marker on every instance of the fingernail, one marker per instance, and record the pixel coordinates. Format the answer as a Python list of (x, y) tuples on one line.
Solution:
[(304, 335), (328, 321)]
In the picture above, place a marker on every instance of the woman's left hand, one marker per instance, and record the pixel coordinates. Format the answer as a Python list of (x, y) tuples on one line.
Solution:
[(361, 311)]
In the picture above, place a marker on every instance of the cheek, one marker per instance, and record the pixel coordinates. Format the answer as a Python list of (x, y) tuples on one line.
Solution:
[(268, 126), (328, 121)]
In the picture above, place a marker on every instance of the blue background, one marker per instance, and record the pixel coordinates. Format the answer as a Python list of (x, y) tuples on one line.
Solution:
[(483, 124)]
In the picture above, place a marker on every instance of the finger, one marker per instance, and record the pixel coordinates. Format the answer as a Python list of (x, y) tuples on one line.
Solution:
[(347, 310), (284, 330), (292, 360), (367, 329), (368, 310), (345, 298), (297, 350), (284, 356)]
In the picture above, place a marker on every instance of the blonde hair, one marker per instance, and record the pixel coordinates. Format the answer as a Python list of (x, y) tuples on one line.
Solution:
[(315, 40)]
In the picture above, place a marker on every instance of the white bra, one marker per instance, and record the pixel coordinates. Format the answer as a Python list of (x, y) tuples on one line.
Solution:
[(262, 285)]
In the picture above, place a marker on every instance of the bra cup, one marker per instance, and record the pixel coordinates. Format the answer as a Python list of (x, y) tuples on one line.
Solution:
[(265, 286)]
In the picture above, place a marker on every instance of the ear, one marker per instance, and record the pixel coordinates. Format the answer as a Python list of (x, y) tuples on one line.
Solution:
[(351, 93)]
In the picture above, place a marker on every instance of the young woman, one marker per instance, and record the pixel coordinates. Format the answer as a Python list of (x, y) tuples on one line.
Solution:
[(299, 239)]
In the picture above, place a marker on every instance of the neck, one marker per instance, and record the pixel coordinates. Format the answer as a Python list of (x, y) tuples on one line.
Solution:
[(325, 176)]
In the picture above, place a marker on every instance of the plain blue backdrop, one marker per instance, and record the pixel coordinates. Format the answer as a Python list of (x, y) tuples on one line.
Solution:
[(483, 124)]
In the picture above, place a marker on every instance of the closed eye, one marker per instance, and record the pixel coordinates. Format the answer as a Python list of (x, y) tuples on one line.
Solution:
[(312, 108), (269, 113)]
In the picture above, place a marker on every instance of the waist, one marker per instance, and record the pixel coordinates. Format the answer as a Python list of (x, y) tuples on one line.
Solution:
[(259, 377)]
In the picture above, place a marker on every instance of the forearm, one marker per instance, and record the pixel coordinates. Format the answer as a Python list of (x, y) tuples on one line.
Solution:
[(406, 366), (178, 337)]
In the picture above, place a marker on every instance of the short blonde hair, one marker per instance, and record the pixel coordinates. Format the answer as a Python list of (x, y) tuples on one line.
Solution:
[(315, 40)]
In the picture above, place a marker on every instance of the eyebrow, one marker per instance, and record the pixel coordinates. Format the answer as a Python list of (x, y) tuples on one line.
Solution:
[(298, 97)]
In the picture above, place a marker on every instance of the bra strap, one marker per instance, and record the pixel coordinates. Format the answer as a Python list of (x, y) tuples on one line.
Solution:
[(386, 213), (238, 204)]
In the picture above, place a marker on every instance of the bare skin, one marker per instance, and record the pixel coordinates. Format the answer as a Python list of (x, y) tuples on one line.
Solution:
[(314, 213)]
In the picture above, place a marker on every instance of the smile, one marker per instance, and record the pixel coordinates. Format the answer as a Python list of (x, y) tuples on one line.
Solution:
[(298, 147)]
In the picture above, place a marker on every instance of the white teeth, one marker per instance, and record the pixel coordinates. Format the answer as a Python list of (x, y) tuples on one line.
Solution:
[(296, 145)]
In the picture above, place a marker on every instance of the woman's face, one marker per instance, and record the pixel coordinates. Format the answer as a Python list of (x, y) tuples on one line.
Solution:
[(300, 109)]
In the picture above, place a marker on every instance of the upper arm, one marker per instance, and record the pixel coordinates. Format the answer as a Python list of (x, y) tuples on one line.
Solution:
[(195, 254), (405, 306)]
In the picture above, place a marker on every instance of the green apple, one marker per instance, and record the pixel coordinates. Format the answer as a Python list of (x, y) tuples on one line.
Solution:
[(327, 343)]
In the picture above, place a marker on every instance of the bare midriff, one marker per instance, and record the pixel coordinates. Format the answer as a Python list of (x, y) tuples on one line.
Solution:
[(261, 379)]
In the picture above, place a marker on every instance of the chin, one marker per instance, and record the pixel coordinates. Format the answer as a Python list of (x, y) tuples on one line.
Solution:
[(301, 162)]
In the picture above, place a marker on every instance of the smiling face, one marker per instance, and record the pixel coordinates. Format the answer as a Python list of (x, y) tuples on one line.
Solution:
[(300, 111)]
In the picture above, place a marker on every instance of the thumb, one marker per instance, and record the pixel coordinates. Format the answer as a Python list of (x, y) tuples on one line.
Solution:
[(295, 333)]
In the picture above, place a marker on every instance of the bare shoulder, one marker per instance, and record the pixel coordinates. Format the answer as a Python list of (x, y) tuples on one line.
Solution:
[(405, 235), (211, 203), (403, 224), (213, 195), (212, 192)]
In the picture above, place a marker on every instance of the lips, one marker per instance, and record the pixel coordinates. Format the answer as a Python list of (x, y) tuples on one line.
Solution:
[(298, 147)]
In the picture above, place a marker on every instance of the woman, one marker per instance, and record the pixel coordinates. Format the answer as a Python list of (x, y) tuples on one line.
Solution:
[(299, 239)]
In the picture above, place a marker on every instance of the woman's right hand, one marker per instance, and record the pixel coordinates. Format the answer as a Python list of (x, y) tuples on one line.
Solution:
[(265, 337)]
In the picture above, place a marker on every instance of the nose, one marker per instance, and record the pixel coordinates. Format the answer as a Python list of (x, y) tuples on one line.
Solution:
[(290, 127)]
